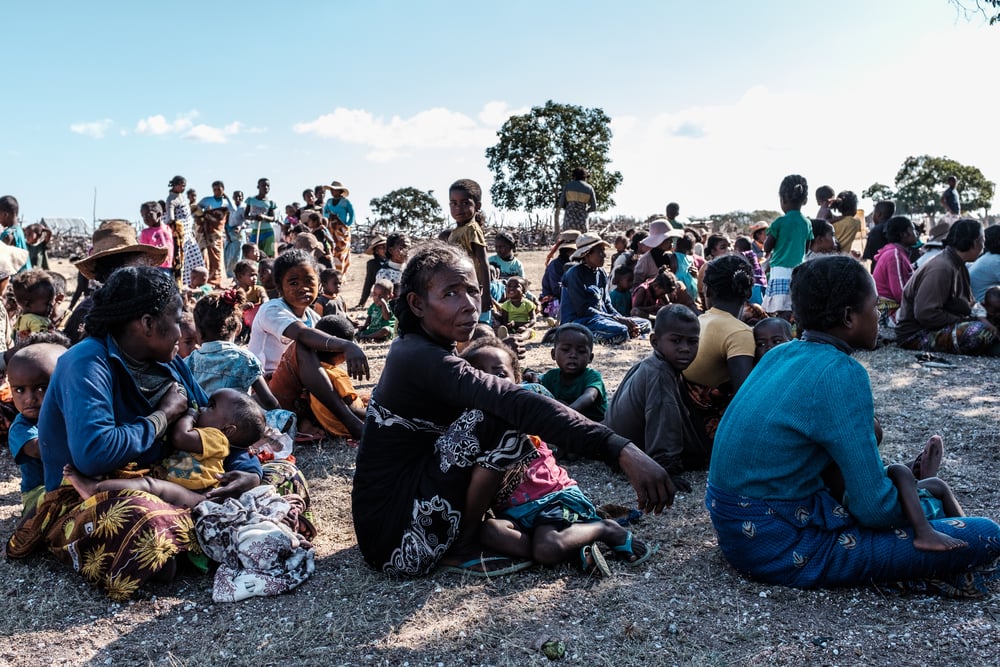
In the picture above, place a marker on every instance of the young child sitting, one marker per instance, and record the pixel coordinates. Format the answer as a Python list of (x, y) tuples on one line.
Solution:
[(332, 402), (504, 258), (219, 363), (198, 287), (397, 249), (35, 295), (572, 382), (28, 372), (991, 303), (649, 407), (189, 340), (250, 251), (768, 333), (653, 294), (623, 279), (330, 302), (203, 439), (265, 276), (245, 278), (547, 518), (517, 312), (380, 325), (338, 326)]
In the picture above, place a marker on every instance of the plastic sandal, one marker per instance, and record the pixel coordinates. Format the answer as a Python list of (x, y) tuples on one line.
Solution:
[(624, 551)]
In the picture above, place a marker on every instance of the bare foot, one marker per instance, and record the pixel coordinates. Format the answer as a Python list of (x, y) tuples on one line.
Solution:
[(85, 486), (936, 541), (928, 461)]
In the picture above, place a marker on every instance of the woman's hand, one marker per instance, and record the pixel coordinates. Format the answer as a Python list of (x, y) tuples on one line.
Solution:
[(174, 403), (233, 484), (653, 487)]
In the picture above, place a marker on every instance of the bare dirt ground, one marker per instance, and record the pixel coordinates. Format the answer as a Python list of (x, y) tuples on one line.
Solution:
[(685, 606)]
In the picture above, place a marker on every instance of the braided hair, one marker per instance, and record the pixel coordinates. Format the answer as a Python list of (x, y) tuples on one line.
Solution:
[(825, 287), (795, 190), (130, 293), (429, 259), (729, 278), (218, 315)]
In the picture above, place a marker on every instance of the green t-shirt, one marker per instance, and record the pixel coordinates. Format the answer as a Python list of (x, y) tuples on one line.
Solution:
[(567, 393), (791, 232)]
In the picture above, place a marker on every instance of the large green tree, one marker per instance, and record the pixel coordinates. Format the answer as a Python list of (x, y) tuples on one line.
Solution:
[(878, 192), (537, 152), (921, 179), (406, 208)]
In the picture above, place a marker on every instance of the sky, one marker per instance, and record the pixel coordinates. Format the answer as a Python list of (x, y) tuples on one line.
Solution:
[(711, 103)]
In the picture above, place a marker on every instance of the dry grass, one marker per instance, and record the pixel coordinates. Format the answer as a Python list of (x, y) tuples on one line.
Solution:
[(685, 606)]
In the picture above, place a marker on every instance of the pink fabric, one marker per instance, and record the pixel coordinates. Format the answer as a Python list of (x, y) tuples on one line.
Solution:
[(892, 270), (161, 237), (543, 476)]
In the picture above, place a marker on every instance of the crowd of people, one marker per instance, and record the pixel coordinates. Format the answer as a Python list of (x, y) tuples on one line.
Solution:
[(218, 336)]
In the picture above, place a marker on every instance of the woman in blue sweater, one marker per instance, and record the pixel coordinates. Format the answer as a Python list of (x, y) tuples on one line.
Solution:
[(806, 406)]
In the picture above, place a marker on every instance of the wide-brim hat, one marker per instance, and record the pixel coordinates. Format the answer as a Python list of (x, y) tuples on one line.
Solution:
[(375, 242), (117, 237), (337, 185), (939, 232), (569, 236), (587, 242), (757, 226), (659, 231)]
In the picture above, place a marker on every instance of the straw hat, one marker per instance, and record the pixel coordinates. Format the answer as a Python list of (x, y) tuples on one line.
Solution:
[(757, 226), (569, 236), (337, 185), (938, 232), (115, 237), (587, 242), (376, 241), (659, 231)]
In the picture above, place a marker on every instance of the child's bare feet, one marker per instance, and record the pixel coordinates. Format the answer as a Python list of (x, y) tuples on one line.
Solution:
[(936, 541), (85, 486), (928, 461)]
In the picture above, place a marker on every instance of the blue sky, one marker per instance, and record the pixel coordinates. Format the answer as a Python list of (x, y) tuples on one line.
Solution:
[(711, 103)]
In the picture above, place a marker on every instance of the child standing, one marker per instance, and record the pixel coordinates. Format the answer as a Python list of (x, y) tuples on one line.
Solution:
[(846, 226), (290, 318), (465, 200), (187, 254), (261, 213), (28, 373), (340, 212), (12, 232), (376, 249), (573, 382), (380, 325), (786, 244), (649, 407), (547, 518), (504, 258), (517, 312), (156, 233), (202, 440), (219, 363), (35, 295), (744, 246)]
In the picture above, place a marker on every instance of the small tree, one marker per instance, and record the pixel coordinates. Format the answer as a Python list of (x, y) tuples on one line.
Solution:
[(537, 152), (406, 208), (878, 192), (920, 180)]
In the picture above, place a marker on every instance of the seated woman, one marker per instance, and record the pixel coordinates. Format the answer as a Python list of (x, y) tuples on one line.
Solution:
[(440, 435), (585, 297), (892, 269), (106, 412), (554, 269), (936, 312), (656, 246), (985, 271), (726, 351), (776, 520)]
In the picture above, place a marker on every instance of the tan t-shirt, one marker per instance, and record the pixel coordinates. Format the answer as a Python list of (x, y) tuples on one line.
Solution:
[(722, 338)]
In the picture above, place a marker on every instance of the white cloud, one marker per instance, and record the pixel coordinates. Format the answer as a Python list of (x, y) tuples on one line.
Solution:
[(158, 124), (95, 129), (213, 135), (432, 129)]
